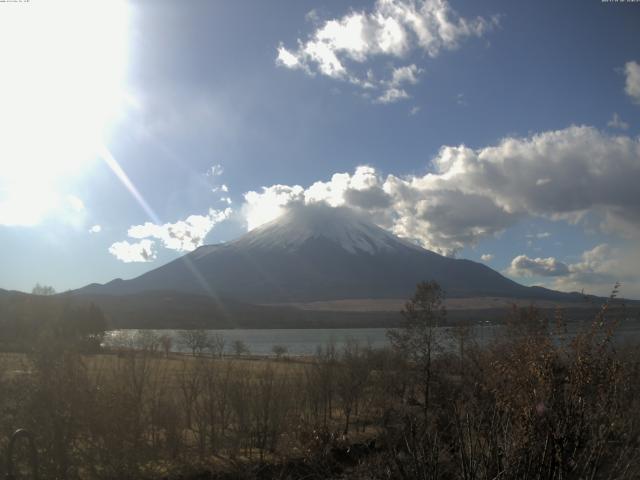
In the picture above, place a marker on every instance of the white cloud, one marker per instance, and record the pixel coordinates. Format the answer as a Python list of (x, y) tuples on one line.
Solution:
[(215, 171), (596, 272), (95, 229), (617, 122), (486, 257), (632, 80), (407, 74), (393, 90), (286, 58), (220, 188), (341, 48), (414, 110), (260, 208), (523, 266), (184, 235), (600, 268), (472, 194), (392, 95), (142, 251)]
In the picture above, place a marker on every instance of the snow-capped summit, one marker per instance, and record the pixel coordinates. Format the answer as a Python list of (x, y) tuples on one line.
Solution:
[(316, 252), (340, 226)]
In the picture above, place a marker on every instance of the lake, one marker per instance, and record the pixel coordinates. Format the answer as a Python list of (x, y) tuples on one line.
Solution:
[(306, 341), (261, 342)]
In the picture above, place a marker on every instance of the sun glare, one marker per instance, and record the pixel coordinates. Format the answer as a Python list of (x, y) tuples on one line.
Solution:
[(62, 88)]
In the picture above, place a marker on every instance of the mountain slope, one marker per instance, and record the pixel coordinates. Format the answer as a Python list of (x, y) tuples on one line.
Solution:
[(319, 253)]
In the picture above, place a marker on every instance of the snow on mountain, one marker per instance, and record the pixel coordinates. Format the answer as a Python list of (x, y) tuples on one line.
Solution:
[(340, 226), (314, 253)]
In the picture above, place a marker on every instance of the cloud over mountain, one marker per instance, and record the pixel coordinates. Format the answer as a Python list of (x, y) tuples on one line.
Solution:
[(182, 236), (142, 251), (471, 194)]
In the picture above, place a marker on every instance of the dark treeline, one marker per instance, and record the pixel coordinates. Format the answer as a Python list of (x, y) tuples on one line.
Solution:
[(28, 322), (533, 404)]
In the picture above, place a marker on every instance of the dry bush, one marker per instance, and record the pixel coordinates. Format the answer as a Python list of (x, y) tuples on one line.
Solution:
[(537, 403)]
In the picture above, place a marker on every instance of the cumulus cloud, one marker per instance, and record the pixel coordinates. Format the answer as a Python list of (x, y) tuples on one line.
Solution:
[(440, 218), (617, 122), (142, 251), (600, 268), (595, 266), (632, 80), (486, 257), (523, 266), (596, 272), (184, 235), (343, 48), (95, 229), (476, 193), (582, 170)]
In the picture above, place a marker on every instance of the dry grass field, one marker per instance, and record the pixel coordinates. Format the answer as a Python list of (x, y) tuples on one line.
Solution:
[(397, 304)]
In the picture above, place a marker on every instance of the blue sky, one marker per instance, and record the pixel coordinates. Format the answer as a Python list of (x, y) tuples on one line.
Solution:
[(504, 132)]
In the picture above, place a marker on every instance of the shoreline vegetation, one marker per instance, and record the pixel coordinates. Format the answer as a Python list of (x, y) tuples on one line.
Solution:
[(532, 402)]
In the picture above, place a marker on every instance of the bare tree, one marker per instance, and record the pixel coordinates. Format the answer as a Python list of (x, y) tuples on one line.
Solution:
[(189, 382), (216, 344), (417, 337), (351, 378), (239, 348), (461, 335), (167, 342), (195, 340), (147, 340), (279, 350), (43, 290)]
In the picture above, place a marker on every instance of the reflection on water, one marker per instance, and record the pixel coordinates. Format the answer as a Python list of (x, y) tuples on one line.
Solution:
[(306, 341)]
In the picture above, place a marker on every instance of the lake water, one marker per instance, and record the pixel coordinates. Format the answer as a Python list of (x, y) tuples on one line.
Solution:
[(261, 342), (306, 341)]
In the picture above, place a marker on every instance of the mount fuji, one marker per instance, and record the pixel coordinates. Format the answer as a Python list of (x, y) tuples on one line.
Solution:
[(319, 253)]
